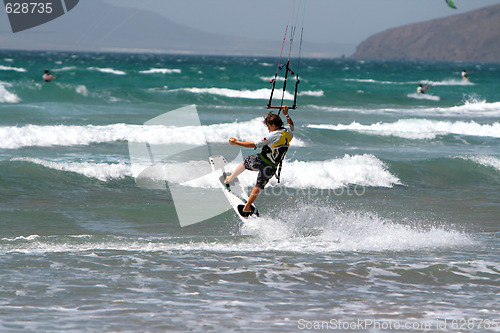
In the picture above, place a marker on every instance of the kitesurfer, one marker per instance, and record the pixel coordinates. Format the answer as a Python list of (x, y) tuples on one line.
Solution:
[(421, 89), (465, 75), (274, 148), (47, 77)]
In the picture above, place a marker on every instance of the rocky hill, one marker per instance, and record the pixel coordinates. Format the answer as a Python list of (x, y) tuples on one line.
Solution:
[(469, 37)]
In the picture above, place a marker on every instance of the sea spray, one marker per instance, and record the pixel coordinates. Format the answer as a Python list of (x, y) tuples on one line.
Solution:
[(317, 227), (6, 96)]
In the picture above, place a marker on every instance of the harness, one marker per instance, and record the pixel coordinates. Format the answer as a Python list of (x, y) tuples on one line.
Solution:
[(273, 155)]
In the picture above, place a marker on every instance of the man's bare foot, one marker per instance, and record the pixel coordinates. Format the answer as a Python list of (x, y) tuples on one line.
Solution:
[(227, 180)]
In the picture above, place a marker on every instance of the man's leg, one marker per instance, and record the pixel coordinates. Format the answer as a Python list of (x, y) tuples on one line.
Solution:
[(251, 198), (235, 173), (263, 177)]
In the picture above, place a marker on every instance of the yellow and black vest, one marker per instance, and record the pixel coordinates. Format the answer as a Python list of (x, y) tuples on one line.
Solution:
[(275, 153)]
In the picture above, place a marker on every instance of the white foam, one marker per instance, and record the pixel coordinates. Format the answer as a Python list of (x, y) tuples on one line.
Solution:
[(13, 137), (375, 81), (67, 68), (60, 135), (424, 96), (352, 109), (449, 82), (101, 171), (487, 161), (317, 93), (477, 269), (29, 238), (319, 228), (271, 78), (233, 93), (161, 71), (6, 96), (446, 82), (363, 170), (249, 94), (80, 89), (472, 106), (419, 128), (9, 68), (108, 70), (336, 174), (476, 106)]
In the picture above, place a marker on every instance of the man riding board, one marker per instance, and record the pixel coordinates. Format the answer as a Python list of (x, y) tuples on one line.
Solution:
[(274, 148)]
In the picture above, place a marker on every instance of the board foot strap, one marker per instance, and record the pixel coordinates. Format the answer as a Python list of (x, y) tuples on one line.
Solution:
[(247, 214)]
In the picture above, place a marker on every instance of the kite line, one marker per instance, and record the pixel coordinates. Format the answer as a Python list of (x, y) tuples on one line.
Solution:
[(287, 68)]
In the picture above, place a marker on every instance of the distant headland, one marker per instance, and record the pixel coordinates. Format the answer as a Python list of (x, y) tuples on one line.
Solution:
[(468, 37)]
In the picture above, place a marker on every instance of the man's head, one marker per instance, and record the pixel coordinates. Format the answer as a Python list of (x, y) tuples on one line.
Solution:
[(273, 121)]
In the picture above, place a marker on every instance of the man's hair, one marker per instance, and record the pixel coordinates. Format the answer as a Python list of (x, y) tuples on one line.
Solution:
[(273, 119)]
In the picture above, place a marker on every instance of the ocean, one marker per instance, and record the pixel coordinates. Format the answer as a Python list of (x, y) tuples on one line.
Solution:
[(386, 217)]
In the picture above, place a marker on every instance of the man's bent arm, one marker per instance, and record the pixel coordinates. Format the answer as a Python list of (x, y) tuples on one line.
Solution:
[(246, 144)]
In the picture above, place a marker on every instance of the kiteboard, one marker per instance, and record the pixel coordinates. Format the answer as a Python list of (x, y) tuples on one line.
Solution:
[(233, 191)]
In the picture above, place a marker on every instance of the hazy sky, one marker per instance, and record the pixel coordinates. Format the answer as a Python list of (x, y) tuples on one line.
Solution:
[(346, 21)]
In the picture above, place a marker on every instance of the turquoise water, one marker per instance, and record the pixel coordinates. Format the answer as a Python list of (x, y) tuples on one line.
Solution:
[(388, 210)]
